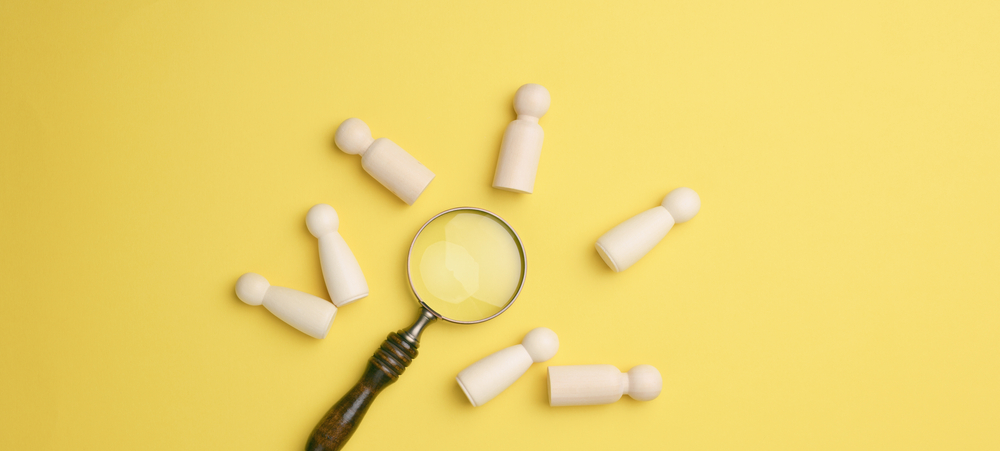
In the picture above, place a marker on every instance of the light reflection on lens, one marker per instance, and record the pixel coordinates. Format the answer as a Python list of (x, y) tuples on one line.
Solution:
[(466, 265)]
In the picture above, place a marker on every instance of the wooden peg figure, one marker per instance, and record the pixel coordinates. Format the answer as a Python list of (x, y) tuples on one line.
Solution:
[(587, 385), (521, 147), (383, 159), (344, 280), (629, 241), (487, 378), (305, 312)]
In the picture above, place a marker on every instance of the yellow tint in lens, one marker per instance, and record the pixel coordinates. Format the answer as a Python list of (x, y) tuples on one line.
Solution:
[(466, 265)]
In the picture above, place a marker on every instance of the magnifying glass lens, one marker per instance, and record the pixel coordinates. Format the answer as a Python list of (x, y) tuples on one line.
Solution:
[(466, 265)]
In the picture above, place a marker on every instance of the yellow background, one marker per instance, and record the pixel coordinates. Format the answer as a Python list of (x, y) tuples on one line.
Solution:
[(839, 289)]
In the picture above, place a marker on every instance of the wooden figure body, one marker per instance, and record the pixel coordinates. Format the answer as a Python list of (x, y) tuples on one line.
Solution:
[(585, 385), (521, 147), (305, 312), (344, 280), (629, 241), (383, 159), (487, 378)]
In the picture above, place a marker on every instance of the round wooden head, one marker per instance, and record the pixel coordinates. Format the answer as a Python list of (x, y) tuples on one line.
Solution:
[(531, 100), (321, 220), (250, 288), (541, 344), (682, 203), (353, 136), (644, 383)]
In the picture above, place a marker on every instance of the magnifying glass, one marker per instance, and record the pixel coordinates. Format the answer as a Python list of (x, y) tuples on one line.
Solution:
[(465, 265)]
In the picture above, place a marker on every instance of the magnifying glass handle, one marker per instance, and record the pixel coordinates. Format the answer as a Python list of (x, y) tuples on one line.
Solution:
[(385, 366)]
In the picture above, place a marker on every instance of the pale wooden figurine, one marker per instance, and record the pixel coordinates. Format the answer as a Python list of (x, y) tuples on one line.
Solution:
[(383, 159), (305, 312), (344, 280), (487, 378), (584, 385), (629, 241), (521, 147)]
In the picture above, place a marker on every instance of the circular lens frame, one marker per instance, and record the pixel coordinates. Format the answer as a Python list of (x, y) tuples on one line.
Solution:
[(520, 249)]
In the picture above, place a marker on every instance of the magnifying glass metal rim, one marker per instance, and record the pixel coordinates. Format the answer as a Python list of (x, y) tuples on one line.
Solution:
[(520, 247)]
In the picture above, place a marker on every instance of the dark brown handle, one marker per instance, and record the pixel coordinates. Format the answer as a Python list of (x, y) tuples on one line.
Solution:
[(343, 418)]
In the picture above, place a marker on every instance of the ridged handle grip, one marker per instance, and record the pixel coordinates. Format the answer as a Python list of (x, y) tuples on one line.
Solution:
[(343, 418)]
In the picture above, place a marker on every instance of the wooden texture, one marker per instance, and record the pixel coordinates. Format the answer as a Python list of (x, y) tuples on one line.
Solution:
[(584, 385), (388, 163), (521, 147), (491, 375), (342, 420), (343, 276), (309, 314), (623, 246)]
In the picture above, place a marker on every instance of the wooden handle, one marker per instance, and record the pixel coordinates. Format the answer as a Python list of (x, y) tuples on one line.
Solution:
[(343, 418)]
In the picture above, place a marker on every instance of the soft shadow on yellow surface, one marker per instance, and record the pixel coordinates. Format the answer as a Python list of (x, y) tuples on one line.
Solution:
[(837, 291)]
